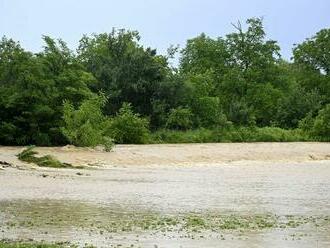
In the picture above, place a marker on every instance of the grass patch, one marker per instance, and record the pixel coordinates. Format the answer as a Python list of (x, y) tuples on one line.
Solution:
[(46, 214), (21, 244), (257, 222), (11, 244), (29, 155), (230, 222)]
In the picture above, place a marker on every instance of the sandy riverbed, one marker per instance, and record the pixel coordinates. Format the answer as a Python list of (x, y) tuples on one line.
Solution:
[(234, 183)]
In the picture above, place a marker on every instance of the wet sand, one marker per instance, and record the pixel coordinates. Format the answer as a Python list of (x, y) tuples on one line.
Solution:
[(287, 181)]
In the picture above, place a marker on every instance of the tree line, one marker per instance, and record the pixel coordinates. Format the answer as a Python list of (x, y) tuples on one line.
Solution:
[(113, 89)]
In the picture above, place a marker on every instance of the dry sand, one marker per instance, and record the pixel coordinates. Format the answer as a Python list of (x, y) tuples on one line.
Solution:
[(182, 154)]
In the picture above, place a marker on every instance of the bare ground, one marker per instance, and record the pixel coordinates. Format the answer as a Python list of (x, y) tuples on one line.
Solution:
[(242, 195)]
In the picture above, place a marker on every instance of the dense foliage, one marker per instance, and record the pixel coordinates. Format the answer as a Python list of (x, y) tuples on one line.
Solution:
[(231, 88), (127, 127), (86, 125)]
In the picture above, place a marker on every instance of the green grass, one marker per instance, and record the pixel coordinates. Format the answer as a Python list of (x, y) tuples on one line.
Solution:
[(29, 155), (49, 214), (10, 244), (55, 215), (21, 244)]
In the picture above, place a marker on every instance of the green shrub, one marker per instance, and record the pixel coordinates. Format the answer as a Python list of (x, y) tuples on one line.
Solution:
[(178, 136), (275, 134), (208, 113), (180, 119), (265, 134), (321, 125), (127, 127), (306, 124), (241, 113), (7, 132), (232, 134), (86, 125)]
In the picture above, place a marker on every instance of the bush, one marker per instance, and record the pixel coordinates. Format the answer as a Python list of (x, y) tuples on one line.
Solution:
[(178, 136), (207, 112), (241, 113), (265, 134), (86, 125), (232, 134), (7, 133), (127, 127), (321, 125), (306, 124), (297, 105), (180, 119)]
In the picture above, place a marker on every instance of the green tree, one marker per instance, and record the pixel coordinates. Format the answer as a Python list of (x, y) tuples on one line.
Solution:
[(252, 53), (238, 67), (312, 57), (203, 54), (174, 91), (32, 89), (125, 70), (264, 100), (314, 53), (297, 105)]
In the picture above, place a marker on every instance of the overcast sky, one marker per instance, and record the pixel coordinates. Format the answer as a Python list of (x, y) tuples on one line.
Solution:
[(160, 22)]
